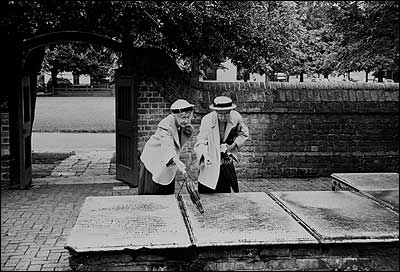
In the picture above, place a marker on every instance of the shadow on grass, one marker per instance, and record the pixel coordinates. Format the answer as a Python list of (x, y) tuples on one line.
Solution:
[(44, 163)]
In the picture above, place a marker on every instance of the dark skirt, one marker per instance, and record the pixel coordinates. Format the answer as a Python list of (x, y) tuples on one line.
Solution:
[(148, 187), (227, 179)]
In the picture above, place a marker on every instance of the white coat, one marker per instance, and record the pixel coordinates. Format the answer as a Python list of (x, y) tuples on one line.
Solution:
[(208, 142), (162, 146)]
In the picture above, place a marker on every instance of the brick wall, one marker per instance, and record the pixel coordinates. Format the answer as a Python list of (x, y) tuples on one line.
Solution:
[(296, 129), (5, 145), (328, 257)]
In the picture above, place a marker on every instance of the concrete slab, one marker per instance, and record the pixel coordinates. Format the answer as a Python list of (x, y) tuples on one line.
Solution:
[(342, 216), (369, 181), (242, 219), (115, 223), (390, 197), (381, 187)]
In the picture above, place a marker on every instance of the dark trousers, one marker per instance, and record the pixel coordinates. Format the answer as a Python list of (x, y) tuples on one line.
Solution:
[(227, 179), (148, 187)]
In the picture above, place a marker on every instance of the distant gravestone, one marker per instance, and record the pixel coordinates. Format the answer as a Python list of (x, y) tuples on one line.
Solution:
[(243, 219), (128, 222)]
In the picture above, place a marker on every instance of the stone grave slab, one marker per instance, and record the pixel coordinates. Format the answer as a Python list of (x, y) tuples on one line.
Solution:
[(369, 181), (251, 218), (113, 223), (390, 197), (381, 187), (340, 216)]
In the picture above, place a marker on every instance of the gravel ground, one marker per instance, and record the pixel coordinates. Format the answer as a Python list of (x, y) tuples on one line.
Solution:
[(74, 114)]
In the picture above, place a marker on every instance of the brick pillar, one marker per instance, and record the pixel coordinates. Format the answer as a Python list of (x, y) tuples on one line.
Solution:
[(5, 145)]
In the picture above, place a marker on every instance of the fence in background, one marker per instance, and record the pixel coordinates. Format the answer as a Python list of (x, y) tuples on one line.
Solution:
[(80, 90)]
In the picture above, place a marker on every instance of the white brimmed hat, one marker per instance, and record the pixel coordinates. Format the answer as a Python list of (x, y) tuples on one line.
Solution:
[(181, 105), (222, 103)]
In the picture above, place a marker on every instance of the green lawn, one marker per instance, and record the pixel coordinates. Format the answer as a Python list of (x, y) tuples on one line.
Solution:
[(74, 114)]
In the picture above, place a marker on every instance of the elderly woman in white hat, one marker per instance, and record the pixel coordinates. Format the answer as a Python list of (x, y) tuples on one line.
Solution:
[(160, 157), (222, 133)]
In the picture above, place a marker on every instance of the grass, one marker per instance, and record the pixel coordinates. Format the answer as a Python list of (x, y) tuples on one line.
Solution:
[(46, 158), (44, 163), (75, 114)]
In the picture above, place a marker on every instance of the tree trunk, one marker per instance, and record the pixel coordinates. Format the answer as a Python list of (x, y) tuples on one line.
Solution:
[(326, 75), (366, 76), (267, 79), (396, 76), (195, 72), (75, 79), (380, 76), (301, 77), (348, 76), (54, 72)]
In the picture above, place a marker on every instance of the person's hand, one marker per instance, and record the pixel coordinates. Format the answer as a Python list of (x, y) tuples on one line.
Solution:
[(230, 147), (224, 148), (180, 165)]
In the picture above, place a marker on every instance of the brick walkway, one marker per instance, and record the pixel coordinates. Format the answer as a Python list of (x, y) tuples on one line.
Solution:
[(35, 223)]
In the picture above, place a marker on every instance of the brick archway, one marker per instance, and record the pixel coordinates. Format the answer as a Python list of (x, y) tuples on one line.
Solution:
[(67, 36), (25, 56), (22, 94)]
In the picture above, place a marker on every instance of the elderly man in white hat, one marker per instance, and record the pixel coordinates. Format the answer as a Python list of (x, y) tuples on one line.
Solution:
[(222, 133), (160, 157)]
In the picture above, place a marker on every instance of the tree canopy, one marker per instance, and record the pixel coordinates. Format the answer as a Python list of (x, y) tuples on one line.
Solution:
[(291, 36), (89, 59), (367, 33)]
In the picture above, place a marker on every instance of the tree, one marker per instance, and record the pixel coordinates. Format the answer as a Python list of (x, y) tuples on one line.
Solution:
[(260, 36), (368, 35), (79, 58), (254, 34)]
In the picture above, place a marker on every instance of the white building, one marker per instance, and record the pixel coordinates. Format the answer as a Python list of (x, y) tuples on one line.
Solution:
[(83, 79), (228, 74)]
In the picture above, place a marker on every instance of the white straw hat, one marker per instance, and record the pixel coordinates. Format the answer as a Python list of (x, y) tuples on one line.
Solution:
[(222, 103), (181, 105)]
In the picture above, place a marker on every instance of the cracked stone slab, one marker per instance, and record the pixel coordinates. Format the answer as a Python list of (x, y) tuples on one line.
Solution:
[(251, 218), (369, 181), (338, 216), (381, 187), (114, 223)]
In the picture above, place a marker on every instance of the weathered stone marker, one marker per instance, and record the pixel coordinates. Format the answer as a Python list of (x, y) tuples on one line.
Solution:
[(243, 219), (243, 231), (128, 222), (342, 215), (381, 187)]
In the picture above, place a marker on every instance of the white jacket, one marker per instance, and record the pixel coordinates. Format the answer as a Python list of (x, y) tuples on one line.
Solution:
[(208, 142), (162, 146)]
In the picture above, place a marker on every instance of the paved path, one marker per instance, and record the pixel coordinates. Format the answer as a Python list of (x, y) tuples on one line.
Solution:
[(93, 163), (81, 168), (35, 223)]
